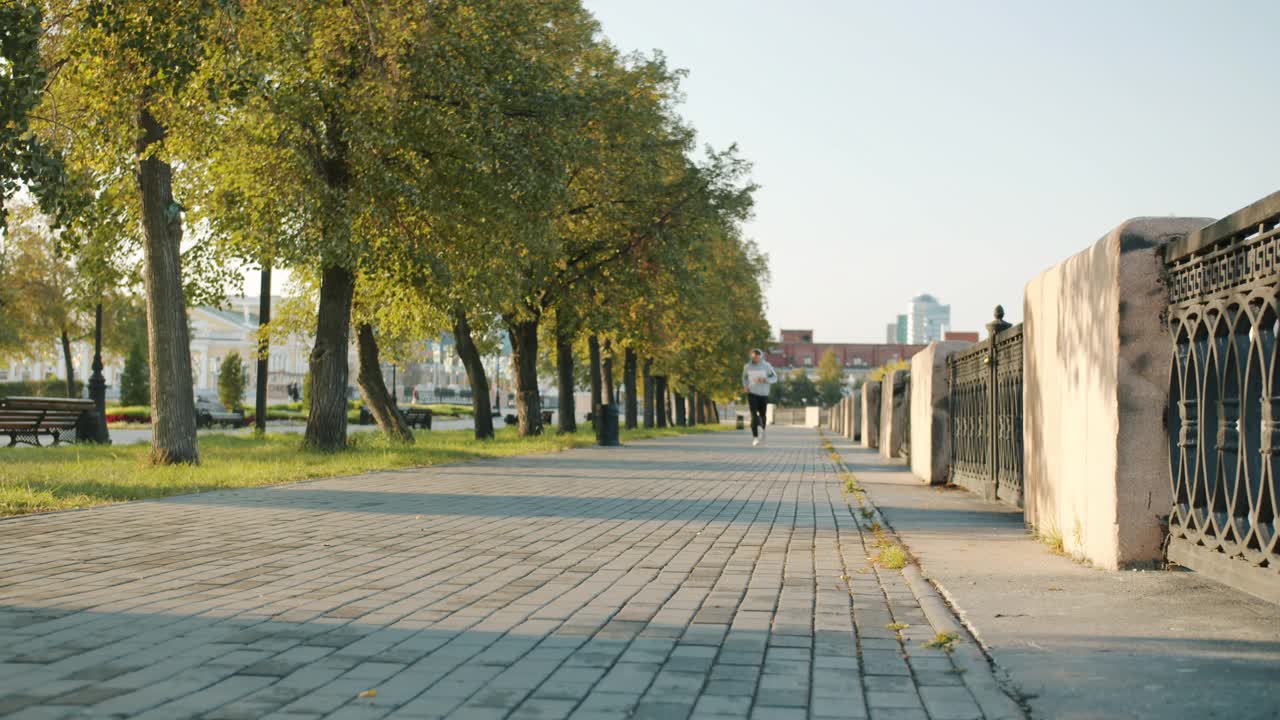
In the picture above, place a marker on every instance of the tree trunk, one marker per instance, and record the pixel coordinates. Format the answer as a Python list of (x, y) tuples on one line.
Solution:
[(629, 379), (327, 416), (715, 412), (679, 407), (173, 405), (567, 423), (66, 359), (649, 386), (524, 355), (593, 351), (701, 408), (660, 398), (374, 390), (691, 414), (470, 357)]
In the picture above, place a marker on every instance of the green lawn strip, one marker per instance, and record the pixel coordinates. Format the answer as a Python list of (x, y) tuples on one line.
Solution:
[(78, 476)]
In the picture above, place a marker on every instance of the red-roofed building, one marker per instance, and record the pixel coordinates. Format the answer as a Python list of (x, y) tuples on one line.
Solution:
[(796, 349)]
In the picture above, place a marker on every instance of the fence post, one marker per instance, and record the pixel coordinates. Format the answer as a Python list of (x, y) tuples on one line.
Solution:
[(994, 328)]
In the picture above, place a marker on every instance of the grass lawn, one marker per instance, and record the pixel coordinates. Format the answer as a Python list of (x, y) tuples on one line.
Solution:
[(61, 478)]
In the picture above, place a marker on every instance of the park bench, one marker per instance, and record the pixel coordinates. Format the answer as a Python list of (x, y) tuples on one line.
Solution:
[(25, 419), (417, 417)]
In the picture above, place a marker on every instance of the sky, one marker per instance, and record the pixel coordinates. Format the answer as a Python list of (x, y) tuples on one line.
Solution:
[(960, 148)]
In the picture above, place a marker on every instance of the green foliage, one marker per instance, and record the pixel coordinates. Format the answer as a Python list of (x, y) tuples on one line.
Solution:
[(44, 294), (497, 156), (878, 374), (830, 379), (135, 380), (794, 390), (38, 388), (24, 159), (306, 391), (231, 382)]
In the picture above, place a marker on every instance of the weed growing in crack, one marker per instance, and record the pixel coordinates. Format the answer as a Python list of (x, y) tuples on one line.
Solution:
[(944, 641)]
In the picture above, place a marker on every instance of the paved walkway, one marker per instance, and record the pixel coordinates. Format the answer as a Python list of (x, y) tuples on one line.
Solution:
[(682, 577), (1075, 641)]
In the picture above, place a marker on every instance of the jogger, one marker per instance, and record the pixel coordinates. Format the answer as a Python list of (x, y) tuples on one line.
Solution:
[(757, 376)]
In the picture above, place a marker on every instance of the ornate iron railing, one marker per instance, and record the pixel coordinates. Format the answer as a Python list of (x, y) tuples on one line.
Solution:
[(984, 395), (1223, 416)]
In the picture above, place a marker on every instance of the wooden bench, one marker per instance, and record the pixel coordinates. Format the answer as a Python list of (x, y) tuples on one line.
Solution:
[(417, 417), (25, 419)]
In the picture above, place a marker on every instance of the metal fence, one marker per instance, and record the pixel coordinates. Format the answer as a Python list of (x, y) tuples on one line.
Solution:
[(788, 416), (1224, 396), (984, 395)]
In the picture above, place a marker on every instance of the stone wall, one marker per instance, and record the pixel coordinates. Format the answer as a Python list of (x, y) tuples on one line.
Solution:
[(930, 429), (1097, 358)]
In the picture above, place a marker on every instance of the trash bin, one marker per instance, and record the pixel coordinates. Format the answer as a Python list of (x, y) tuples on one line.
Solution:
[(742, 421), (607, 428)]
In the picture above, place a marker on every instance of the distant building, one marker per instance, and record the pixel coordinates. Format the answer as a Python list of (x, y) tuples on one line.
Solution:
[(927, 319), (960, 335), (796, 349), (219, 331), (896, 331)]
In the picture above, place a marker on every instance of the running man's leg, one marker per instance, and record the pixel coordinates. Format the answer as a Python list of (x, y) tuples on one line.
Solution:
[(757, 406)]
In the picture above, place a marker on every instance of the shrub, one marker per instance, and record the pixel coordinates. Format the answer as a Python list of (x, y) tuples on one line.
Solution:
[(135, 381), (231, 382), (39, 388)]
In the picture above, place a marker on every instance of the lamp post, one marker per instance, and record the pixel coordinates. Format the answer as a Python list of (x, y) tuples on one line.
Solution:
[(264, 317), (497, 384), (98, 384)]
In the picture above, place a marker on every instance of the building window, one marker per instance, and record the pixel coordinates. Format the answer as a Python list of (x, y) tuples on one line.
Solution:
[(808, 360)]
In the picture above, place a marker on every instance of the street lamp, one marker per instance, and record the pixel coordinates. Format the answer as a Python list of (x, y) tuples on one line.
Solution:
[(98, 384)]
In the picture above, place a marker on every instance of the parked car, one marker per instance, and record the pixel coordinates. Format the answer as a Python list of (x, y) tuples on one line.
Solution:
[(210, 411)]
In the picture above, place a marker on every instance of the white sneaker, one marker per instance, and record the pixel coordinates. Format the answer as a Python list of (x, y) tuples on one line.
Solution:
[(755, 441)]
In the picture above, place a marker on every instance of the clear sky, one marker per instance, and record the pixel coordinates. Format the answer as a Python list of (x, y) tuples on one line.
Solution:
[(959, 148)]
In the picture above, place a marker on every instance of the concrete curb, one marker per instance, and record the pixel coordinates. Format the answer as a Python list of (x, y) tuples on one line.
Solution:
[(990, 686)]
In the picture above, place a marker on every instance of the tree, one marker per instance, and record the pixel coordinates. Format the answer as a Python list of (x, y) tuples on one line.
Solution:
[(231, 381), (797, 389), (134, 386), (830, 379), (124, 80), (291, 157), (25, 160), (45, 301)]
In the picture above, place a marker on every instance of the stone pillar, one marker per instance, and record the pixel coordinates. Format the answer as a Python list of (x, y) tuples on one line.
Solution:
[(871, 415), (930, 419), (1096, 360), (855, 417), (893, 413)]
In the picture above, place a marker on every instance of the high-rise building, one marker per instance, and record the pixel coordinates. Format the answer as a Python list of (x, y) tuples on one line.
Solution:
[(927, 319), (896, 331)]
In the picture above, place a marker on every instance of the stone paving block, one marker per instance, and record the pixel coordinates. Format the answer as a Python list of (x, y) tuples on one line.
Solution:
[(690, 577)]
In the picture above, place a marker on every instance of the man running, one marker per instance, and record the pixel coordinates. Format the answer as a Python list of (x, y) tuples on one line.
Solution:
[(757, 376)]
